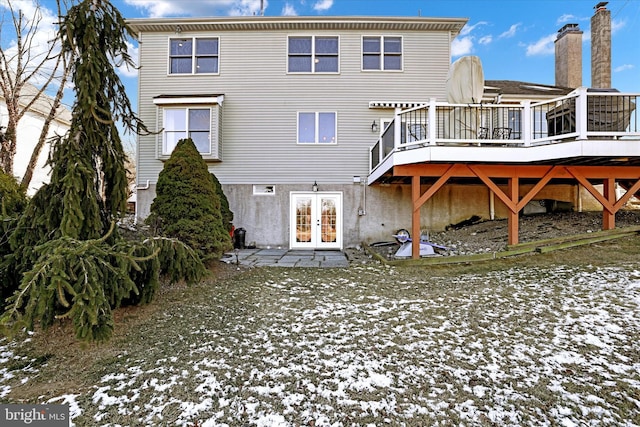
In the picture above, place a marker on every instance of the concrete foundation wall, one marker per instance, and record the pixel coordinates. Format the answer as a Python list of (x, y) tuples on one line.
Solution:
[(373, 213)]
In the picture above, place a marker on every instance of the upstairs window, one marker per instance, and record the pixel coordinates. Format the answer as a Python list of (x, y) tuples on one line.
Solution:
[(313, 54), (317, 128), (382, 53), (194, 55)]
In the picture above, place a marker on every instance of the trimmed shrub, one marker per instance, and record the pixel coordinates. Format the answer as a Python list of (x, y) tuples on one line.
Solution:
[(227, 215), (187, 206)]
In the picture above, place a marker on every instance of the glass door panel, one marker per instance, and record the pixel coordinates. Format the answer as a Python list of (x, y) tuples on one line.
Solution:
[(316, 221), (303, 220)]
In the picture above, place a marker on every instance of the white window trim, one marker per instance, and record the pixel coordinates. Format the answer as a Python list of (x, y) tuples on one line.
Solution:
[(183, 102), (317, 128), (186, 109), (193, 56), (313, 54), (264, 190), (382, 69)]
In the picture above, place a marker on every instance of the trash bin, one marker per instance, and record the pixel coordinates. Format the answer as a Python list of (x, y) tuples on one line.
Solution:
[(239, 238)]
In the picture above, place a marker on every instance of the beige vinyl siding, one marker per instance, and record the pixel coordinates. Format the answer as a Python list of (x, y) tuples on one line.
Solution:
[(261, 102)]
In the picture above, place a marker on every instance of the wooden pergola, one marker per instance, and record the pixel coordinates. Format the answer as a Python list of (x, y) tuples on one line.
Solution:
[(487, 173)]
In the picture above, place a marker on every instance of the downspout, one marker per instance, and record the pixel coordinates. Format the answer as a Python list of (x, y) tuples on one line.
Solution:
[(146, 187), (364, 202)]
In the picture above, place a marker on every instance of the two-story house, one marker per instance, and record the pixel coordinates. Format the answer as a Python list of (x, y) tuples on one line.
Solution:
[(280, 110), (287, 112)]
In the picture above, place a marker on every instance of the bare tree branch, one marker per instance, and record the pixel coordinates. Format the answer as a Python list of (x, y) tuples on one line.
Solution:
[(29, 68)]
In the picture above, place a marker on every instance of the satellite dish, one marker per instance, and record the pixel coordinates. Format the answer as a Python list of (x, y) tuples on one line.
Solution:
[(465, 81)]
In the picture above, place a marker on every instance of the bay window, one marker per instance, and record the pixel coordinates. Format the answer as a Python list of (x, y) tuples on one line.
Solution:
[(190, 116), (180, 123)]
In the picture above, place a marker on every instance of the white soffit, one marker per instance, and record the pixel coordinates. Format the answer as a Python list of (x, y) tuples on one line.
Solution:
[(188, 99)]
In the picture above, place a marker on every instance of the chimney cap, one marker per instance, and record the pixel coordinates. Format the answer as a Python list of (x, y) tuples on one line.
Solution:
[(601, 5), (569, 27)]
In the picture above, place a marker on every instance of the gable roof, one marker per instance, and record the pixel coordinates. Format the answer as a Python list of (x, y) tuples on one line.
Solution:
[(42, 106), (305, 23), (514, 87)]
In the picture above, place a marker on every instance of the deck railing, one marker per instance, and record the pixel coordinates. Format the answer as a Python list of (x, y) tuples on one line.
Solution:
[(583, 114)]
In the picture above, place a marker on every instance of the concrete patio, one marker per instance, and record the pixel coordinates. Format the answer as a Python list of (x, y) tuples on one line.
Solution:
[(273, 257)]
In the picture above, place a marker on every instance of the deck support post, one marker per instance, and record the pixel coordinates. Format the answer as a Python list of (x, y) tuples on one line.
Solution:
[(514, 194), (609, 193), (511, 197), (415, 217)]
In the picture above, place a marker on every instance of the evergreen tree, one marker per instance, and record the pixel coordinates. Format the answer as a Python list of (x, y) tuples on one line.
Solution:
[(12, 202), (67, 258), (187, 205), (227, 215), (12, 198)]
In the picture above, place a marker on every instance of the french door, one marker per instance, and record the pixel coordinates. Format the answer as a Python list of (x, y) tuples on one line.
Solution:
[(316, 221)]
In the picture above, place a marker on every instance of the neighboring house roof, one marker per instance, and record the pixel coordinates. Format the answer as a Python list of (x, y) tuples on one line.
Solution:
[(264, 23), (43, 104), (513, 89)]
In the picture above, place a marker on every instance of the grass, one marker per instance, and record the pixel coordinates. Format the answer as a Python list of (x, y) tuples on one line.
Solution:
[(545, 339)]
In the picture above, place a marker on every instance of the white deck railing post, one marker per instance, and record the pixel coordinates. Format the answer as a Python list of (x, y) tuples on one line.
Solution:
[(527, 123), (397, 128), (581, 113), (433, 126)]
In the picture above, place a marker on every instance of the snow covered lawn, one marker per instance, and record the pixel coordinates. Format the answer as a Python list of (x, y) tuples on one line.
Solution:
[(375, 345)]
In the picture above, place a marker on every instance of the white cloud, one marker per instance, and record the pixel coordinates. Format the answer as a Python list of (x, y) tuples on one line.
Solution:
[(39, 40), (567, 17), (624, 67), (123, 69), (289, 10), (322, 5), (485, 40), (467, 29), (510, 32), (617, 25), (165, 8), (544, 46), (246, 7), (461, 46)]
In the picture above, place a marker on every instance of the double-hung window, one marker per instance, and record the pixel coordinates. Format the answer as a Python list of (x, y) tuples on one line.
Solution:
[(382, 53), (317, 128), (194, 55), (313, 54), (180, 123)]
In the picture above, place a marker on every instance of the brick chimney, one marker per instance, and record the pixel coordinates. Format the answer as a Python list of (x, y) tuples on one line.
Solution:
[(601, 47), (568, 46)]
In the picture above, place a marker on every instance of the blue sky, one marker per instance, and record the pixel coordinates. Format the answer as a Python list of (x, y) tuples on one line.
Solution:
[(513, 38)]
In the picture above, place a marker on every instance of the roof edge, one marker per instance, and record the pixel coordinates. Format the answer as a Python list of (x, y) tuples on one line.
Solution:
[(186, 24)]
